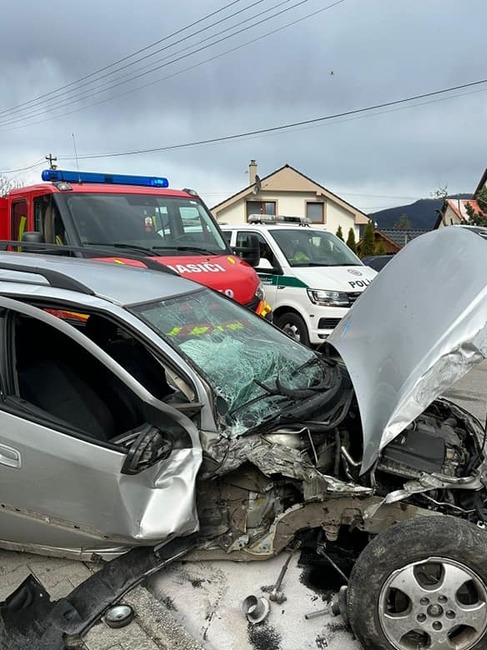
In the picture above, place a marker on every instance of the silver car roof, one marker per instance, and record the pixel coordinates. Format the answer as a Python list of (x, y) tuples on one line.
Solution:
[(120, 283)]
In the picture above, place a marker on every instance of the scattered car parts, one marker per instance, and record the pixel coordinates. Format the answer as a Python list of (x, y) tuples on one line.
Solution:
[(28, 618), (119, 615), (255, 608), (337, 606), (276, 595)]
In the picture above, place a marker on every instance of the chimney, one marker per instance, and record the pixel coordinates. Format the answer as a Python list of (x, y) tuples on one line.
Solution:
[(252, 172)]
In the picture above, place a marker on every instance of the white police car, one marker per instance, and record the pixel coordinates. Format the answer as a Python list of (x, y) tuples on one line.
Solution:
[(311, 277)]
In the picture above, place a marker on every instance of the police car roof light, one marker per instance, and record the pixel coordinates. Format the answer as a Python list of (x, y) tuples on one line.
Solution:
[(276, 219), (56, 175)]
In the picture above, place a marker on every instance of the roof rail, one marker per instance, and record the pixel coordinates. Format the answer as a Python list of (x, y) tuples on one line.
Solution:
[(84, 251), (55, 278)]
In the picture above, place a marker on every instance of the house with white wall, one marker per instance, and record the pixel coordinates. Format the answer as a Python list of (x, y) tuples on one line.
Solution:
[(288, 192), (454, 212)]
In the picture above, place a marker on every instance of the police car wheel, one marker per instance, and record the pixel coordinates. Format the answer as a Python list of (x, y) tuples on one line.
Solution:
[(294, 326)]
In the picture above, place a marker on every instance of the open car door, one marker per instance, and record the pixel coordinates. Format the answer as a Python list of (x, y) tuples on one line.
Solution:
[(90, 461)]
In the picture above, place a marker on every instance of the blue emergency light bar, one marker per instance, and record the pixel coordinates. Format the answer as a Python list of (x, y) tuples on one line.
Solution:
[(60, 175)]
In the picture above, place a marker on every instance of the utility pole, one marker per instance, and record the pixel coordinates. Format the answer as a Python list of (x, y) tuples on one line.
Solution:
[(51, 159)]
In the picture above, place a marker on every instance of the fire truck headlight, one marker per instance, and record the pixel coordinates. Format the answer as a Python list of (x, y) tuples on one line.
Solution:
[(260, 293)]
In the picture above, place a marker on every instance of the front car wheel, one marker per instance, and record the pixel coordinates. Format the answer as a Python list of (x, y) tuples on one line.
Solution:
[(294, 326), (422, 584)]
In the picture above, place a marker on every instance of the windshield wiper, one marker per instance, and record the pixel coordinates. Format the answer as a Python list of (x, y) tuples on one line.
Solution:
[(331, 264), (195, 249), (328, 406), (327, 264), (149, 252), (327, 366), (308, 398)]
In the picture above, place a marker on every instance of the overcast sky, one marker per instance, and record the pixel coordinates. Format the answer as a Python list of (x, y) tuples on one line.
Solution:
[(292, 61)]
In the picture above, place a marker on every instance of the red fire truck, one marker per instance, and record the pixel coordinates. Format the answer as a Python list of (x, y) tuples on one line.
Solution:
[(135, 215)]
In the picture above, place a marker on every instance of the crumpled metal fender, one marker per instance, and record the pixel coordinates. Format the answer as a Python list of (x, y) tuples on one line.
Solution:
[(331, 515)]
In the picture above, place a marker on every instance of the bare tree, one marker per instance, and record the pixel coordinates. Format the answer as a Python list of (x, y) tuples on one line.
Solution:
[(440, 193), (7, 184)]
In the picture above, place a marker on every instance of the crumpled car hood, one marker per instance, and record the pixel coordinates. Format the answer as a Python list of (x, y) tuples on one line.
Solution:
[(418, 328)]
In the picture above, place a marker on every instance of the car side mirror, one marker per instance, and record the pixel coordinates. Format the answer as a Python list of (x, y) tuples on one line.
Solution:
[(150, 447), (250, 251), (33, 237), (33, 241), (264, 265)]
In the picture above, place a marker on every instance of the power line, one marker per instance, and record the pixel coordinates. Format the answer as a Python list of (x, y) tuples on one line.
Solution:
[(122, 60), (274, 129), (141, 73), (378, 196), (58, 102), (21, 169), (291, 125), (378, 208), (97, 92), (106, 88)]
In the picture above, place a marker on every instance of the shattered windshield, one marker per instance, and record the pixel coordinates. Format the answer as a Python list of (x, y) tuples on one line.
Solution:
[(312, 247), (158, 223), (257, 373)]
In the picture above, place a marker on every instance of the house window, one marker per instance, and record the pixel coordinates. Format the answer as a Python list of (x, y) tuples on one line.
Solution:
[(261, 207), (315, 212)]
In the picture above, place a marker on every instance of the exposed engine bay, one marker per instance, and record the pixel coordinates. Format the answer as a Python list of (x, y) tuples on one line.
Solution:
[(304, 476)]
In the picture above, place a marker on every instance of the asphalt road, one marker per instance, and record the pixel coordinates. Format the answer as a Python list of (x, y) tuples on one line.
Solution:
[(206, 597), (471, 392)]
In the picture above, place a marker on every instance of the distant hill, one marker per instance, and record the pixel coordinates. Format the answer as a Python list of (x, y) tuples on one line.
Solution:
[(422, 214)]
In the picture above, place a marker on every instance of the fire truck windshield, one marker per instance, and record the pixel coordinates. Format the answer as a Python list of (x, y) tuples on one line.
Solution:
[(151, 221)]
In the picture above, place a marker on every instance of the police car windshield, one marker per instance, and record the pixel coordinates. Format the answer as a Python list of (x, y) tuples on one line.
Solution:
[(241, 355), (150, 221), (313, 247)]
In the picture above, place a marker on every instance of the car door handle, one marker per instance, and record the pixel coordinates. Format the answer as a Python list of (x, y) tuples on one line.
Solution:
[(10, 457)]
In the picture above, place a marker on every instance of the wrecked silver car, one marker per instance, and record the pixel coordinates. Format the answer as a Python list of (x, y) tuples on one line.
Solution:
[(138, 407)]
